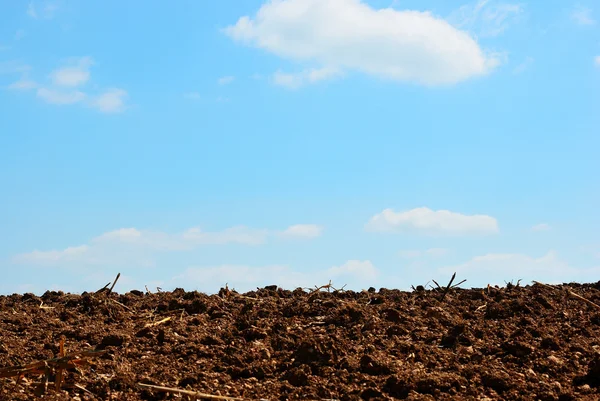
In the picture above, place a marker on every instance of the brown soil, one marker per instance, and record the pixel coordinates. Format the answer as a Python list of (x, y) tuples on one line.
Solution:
[(514, 343)]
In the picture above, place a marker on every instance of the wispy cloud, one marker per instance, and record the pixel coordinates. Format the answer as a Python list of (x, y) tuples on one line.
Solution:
[(14, 67), (127, 243), (582, 15), (426, 221), (524, 66), (226, 80), (192, 95), (42, 9), (110, 101), (486, 18), (20, 34), (23, 84), (541, 227), (303, 231), (66, 86), (60, 97), (309, 76), (75, 73), (355, 274), (597, 61), (496, 268)]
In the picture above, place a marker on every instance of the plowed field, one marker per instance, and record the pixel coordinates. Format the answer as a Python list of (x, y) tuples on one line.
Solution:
[(514, 343)]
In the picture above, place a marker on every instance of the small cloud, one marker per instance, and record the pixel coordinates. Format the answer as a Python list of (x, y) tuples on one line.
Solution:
[(45, 10), (486, 18), (310, 76), (541, 227), (20, 34), (31, 11), (430, 222), (111, 101), (76, 74), (303, 231), (23, 84), (226, 80), (524, 66), (192, 95), (60, 98), (597, 61), (222, 99), (364, 270), (14, 67), (582, 16)]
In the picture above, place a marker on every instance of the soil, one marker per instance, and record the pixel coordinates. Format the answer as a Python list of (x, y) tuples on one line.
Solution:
[(512, 343)]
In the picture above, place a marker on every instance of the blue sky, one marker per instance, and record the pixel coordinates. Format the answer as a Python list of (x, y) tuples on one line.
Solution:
[(373, 143)]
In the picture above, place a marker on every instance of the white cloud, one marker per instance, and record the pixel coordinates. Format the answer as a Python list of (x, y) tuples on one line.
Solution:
[(75, 74), (308, 76), (363, 270), (303, 231), (354, 273), (597, 61), (427, 221), (110, 101), (23, 84), (486, 18), (45, 10), (541, 227), (131, 243), (524, 66), (496, 268), (226, 80), (59, 97), (582, 16), (349, 34), (13, 67), (31, 10)]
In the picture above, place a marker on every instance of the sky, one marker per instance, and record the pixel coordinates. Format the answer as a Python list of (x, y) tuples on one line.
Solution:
[(195, 144)]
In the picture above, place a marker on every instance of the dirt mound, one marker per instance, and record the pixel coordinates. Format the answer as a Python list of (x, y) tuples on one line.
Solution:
[(514, 343)]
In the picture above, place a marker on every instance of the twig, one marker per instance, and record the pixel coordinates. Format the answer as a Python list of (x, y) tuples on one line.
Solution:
[(157, 323), (572, 294), (188, 392), (448, 287), (42, 306), (103, 288), (459, 283), (120, 304), (114, 282)]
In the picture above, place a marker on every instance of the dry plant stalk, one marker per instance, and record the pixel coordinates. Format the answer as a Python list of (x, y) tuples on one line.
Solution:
[(157, 323), (189, 393), (59, 364), (571, 293)]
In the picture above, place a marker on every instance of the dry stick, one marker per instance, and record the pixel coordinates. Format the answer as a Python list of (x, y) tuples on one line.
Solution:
[(103, 288), (120, 304), (114, 282), (448, 287), (572, 294), (157, 323), (188, 392)]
